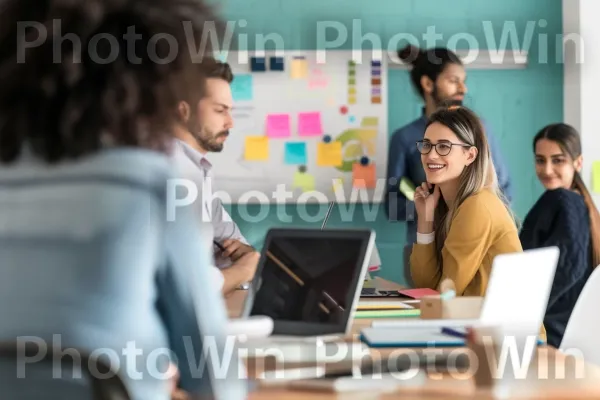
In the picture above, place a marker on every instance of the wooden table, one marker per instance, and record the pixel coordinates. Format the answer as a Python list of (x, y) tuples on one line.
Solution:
[(552, 375)]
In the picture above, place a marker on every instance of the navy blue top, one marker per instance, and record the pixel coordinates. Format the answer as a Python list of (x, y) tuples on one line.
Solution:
[(404, 160), (560, 218)]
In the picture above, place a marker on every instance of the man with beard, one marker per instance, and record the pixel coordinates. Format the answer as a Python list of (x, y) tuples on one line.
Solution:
[(203, 128), (439, 77)]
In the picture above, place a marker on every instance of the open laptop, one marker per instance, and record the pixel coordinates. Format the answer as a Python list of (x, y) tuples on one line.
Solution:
[(308, 280), (369, 288), (517, 296)]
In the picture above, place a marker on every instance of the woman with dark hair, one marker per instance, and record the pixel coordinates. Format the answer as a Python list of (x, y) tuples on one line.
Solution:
[(564, 216), (95, 256), (439, 77)]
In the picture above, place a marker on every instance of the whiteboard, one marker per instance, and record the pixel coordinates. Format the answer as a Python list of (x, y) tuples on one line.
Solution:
[(347, 90)]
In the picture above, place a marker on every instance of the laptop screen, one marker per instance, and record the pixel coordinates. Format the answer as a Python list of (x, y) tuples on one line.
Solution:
[(309, 276)]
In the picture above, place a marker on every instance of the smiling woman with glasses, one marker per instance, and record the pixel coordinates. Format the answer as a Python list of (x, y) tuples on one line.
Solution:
[(463, 221)]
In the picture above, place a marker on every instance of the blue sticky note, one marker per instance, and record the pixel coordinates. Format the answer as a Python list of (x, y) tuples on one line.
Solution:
[(258, 64), (241, 88), (295, 153), (276, 63)]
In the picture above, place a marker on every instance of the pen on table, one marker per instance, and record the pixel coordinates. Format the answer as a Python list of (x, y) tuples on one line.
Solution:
[(219, 245), (453, 332)]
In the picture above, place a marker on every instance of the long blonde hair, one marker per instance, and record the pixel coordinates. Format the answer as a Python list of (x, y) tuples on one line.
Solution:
[(477, 176)]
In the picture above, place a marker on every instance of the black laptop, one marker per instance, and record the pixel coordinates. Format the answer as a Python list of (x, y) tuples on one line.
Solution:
[(309, 280)]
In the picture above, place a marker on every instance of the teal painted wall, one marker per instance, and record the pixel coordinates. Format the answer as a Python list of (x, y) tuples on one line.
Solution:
[(515, 103)]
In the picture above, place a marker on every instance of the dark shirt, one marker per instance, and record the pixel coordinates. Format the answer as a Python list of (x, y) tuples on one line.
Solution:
[(404, 160), (560, 218)]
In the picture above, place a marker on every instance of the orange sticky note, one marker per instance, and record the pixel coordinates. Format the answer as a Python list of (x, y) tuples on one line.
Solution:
[(257, 148), (299, 68), (364, 176), (329, 154)]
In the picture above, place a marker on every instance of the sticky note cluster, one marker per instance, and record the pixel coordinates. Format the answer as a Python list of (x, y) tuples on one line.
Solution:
[(375, 82), (351, 82), (259, 64), (309, 124)]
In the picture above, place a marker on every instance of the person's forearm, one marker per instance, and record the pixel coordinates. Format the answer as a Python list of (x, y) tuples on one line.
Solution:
[(424, 226), (233, 278)]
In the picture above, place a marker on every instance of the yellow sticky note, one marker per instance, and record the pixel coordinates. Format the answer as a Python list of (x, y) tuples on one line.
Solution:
[(329, 154), (352, 100), (304, 181), (370, 121), (299, 68), (596, 177), (338, 185), (257, 148)]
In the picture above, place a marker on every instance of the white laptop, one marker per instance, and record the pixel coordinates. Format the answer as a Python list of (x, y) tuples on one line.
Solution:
[(517, 296)]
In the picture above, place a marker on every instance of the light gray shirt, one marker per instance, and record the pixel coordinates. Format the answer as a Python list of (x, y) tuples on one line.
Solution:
[(196, 167)]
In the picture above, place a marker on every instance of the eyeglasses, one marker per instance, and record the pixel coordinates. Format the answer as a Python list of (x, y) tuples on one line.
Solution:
[(442, 148)]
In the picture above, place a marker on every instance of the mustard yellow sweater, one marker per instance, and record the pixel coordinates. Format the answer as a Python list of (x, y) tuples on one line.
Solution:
[(481, 229)]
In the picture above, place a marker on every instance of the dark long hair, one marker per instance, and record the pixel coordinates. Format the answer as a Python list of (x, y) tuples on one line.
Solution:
[(569, 141), (430, 63), (78, 75)]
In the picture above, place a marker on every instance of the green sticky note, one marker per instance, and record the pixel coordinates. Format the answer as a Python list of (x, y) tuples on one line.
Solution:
[(304, 181), (596, 177), (407, 188)]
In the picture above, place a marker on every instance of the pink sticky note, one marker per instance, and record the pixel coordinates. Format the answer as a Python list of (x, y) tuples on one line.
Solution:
[(418, 293), (309, 124), (278, 125)]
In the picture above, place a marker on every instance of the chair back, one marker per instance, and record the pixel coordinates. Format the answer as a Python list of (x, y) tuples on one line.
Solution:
[(581, 333), (105, 383)]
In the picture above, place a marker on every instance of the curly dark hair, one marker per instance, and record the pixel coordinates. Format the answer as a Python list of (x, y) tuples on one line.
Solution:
[(73, 82)]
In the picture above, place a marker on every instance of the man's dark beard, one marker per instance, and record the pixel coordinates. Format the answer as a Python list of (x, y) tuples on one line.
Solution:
[(439, 102), (208, 142)]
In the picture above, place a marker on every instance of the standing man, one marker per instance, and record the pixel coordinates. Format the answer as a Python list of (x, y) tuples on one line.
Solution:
[(439, 76), (204, 126)]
